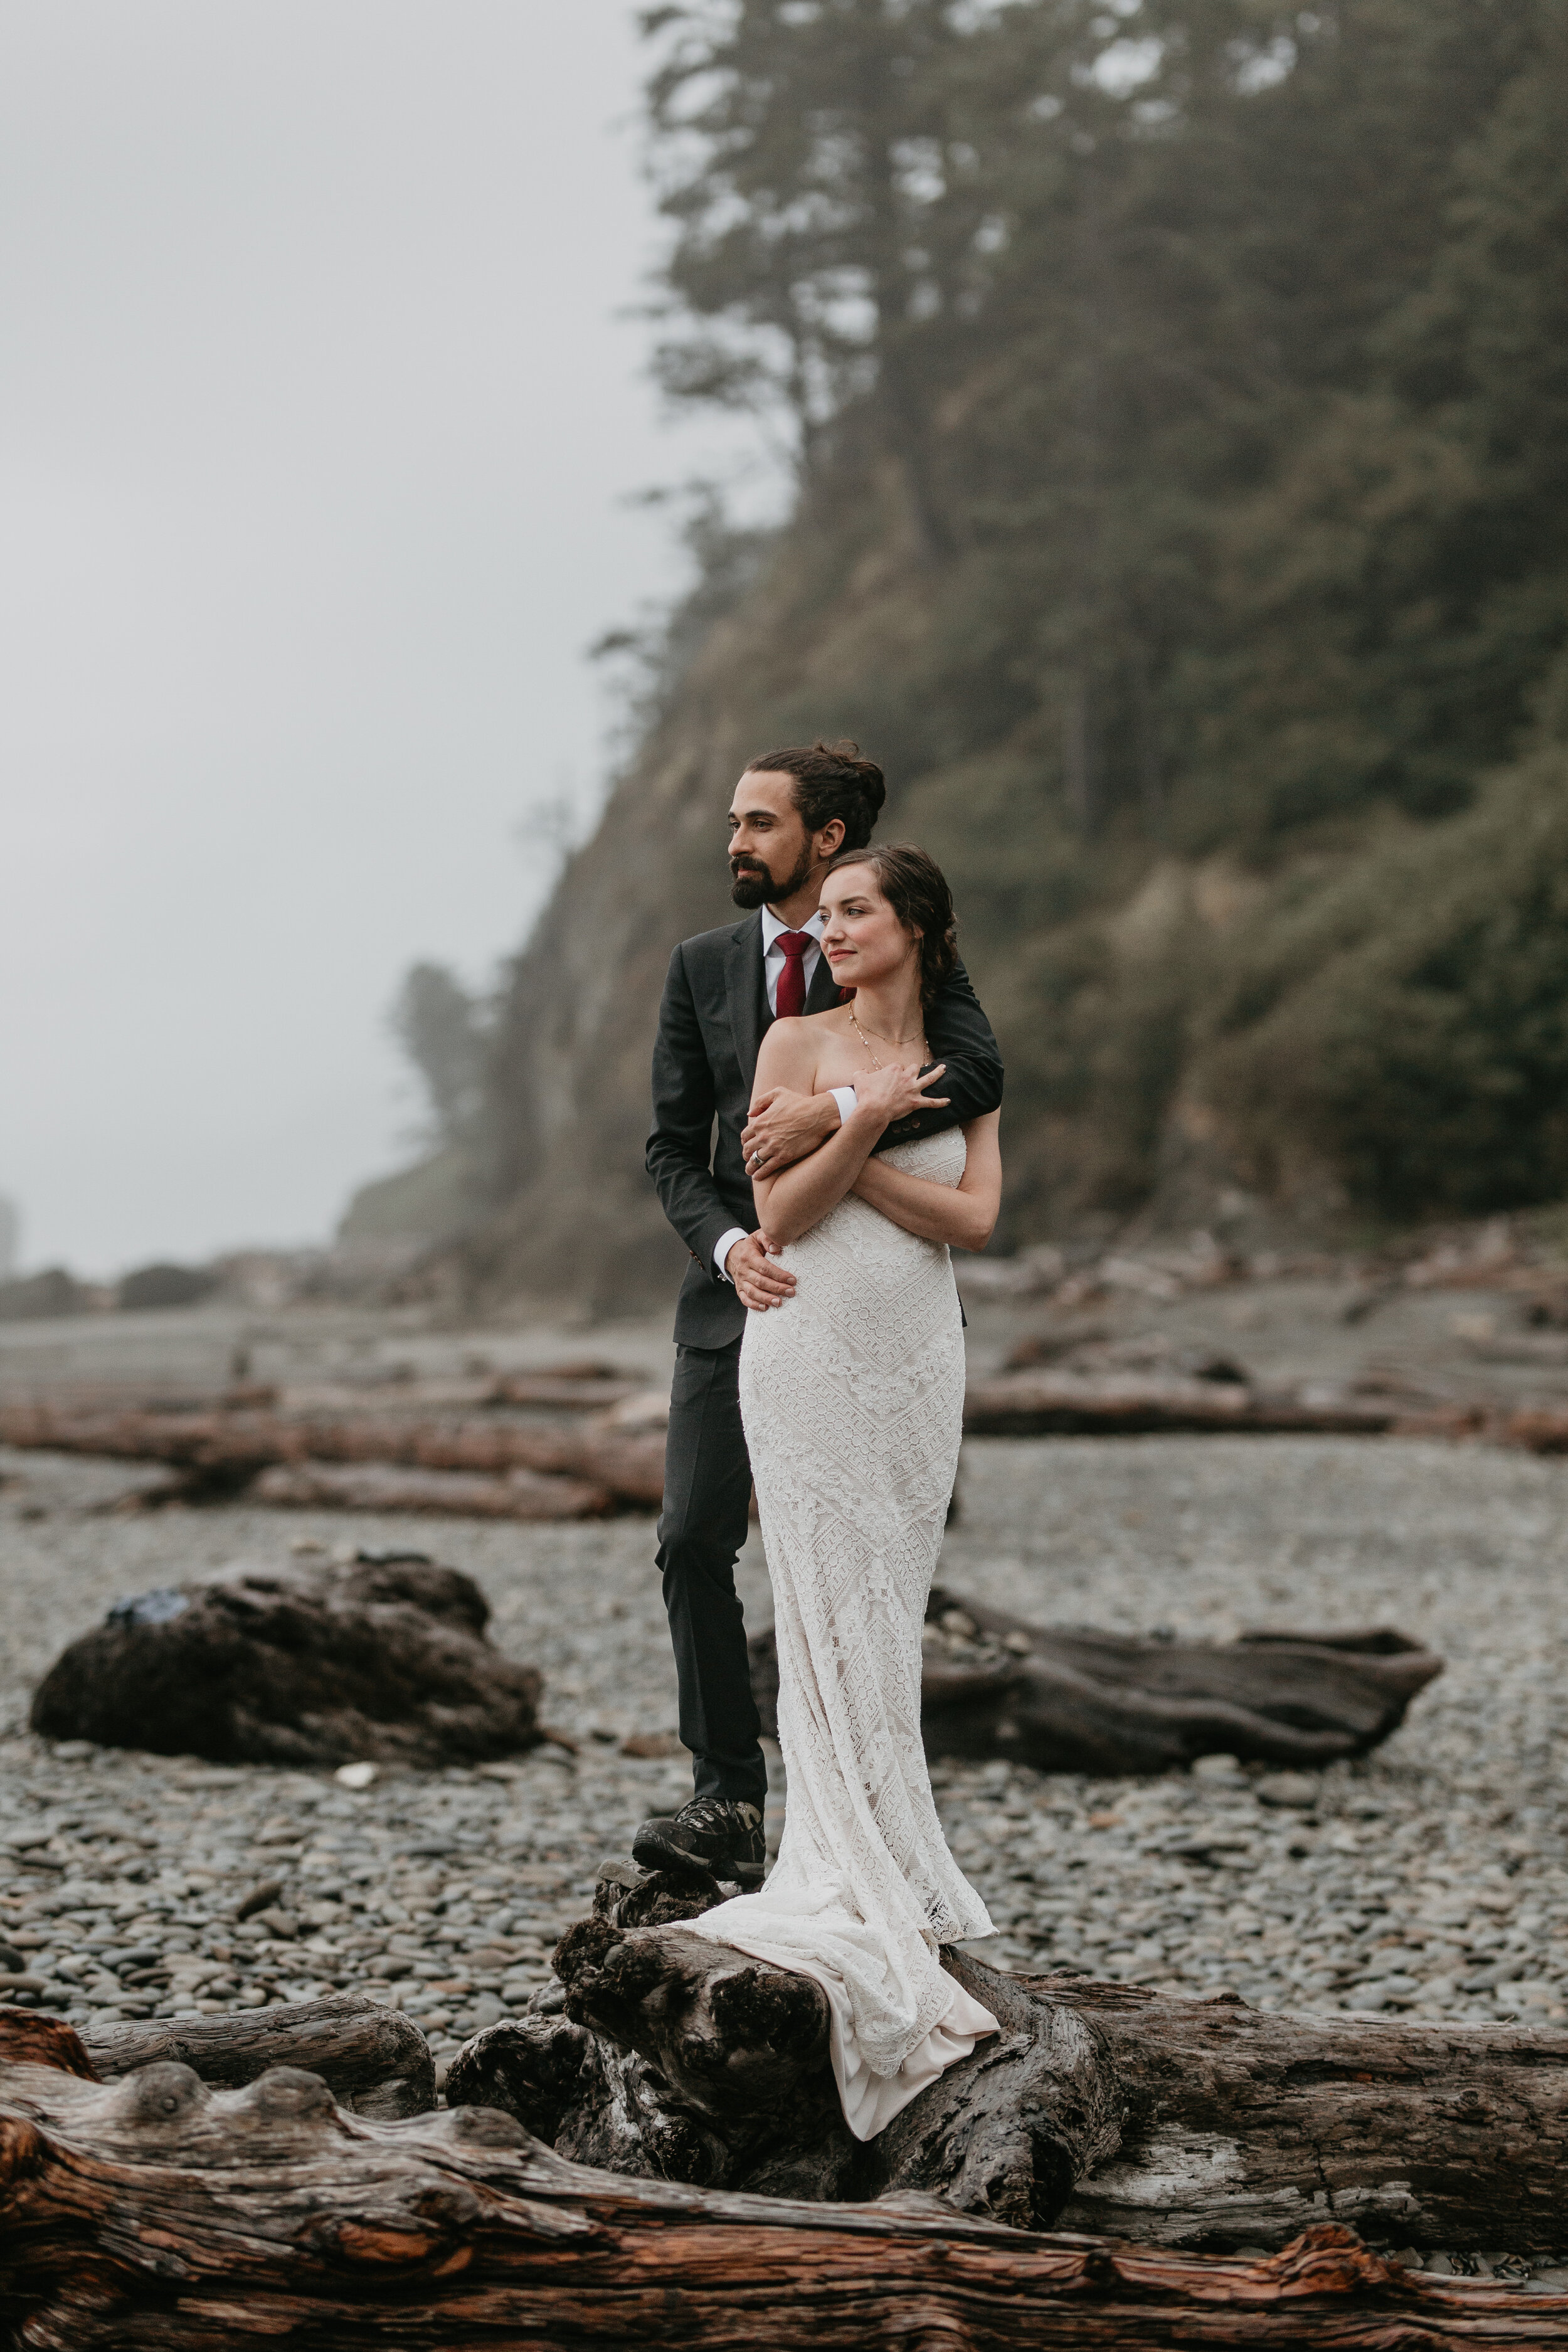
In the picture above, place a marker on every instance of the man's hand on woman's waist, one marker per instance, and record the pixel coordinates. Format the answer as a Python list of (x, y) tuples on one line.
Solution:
[(760, 1281)]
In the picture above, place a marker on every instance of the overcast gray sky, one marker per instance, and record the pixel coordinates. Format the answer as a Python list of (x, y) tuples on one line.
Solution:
[(317, 422)]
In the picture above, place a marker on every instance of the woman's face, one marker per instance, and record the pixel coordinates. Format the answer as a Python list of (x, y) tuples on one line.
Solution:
[(862, 939)]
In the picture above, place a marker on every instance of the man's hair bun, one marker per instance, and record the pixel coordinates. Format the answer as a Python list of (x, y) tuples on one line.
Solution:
[(831, 779)]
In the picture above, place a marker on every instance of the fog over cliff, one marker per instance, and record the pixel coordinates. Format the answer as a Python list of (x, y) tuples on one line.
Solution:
[(322, 406)]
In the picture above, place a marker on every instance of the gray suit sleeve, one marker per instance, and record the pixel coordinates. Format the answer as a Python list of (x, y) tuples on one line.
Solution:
[(681, 1146), (959, 1034)]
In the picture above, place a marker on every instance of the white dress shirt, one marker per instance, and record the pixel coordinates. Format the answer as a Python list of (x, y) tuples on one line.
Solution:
[(774, 961)]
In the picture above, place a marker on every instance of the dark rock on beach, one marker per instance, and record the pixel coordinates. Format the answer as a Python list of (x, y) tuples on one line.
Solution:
[(379, 1658)]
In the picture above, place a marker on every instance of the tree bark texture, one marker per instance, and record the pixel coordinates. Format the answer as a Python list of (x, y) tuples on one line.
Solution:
[(157, 2212), (221, 1452), (1241, 2125), (1066, 1699), (372, 2058), (382, 1659)]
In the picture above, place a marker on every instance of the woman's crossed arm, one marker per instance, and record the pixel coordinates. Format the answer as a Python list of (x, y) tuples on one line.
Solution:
[(963, 1215), (790, 1203)]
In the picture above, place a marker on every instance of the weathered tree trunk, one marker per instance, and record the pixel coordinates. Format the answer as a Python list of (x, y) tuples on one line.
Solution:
[(1105, 2106), (157, 2212), (220, 1452), (372, 2058), (1066, 1699), (1241, 2126)]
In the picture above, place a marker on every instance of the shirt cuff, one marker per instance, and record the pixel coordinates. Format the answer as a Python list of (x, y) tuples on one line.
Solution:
[(848, 1103), (726, 1243)]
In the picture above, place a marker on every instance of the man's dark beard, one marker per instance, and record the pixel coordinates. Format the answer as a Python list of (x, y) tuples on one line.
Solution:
[(755, 886)]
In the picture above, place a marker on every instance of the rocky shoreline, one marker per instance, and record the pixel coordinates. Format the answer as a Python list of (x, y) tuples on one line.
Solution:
[(1432, 1879)]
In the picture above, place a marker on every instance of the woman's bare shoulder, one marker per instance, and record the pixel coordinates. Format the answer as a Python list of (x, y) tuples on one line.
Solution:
[(788, 1049), (795, 1048)]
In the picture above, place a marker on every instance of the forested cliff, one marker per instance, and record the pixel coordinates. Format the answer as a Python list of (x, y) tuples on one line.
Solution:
[(1180, 403)]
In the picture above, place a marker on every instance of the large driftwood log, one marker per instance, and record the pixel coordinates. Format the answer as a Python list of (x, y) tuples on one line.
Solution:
[(221, 1452), (1240, 2127), (1202, 2123), (155, 2211), (1067, 1699), (378, 1658), (1064, 1403)]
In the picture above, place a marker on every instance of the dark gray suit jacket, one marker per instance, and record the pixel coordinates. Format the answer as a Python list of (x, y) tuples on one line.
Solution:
[(710, 1028)]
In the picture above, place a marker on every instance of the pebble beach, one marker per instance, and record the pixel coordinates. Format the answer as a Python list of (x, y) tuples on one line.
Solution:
[(1429, 1879)]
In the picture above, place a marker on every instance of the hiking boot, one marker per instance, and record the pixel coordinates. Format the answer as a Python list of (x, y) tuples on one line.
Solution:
[(706, 1839)]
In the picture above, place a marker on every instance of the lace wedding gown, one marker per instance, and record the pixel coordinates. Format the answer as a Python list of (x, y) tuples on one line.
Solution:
[(852, 1395)]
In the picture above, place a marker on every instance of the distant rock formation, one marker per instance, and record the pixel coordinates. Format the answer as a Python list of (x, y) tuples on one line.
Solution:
[(395, 1219)]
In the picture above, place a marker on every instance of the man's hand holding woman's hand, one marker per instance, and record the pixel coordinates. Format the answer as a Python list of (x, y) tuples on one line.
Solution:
[(760, 1281)]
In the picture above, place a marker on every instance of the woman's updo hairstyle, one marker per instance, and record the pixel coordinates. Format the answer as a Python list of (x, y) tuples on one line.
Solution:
[(915, 887), (831, 779)]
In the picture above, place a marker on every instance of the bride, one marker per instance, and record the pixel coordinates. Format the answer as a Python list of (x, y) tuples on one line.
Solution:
[(852, 1396)]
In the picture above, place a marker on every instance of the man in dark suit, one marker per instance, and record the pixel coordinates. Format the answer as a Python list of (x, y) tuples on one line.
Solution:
[(793, 810)]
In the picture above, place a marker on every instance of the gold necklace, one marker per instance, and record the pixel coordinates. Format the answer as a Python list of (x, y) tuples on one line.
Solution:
[(865, 1041)]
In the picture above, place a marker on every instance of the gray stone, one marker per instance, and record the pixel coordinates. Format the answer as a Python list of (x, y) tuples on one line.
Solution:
[(1294, 1789)]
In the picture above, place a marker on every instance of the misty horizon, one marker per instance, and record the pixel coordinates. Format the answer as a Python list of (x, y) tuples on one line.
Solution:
[(325, 414)]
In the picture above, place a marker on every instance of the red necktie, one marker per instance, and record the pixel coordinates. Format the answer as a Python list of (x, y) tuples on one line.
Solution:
[(792, 980)]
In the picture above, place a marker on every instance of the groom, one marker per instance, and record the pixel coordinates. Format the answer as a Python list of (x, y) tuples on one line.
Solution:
[(792, 810)]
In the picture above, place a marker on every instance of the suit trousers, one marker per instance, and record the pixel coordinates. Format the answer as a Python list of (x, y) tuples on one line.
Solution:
[(704, 1524)]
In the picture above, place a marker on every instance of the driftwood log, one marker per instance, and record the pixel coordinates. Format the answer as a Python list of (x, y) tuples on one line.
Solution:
[(372, 2058), (218, 1453), (1055, 1403), (392, 1460), (381, 1658), (158, 2212), (1066, 1699), (465, 1494), (1200, 2123)]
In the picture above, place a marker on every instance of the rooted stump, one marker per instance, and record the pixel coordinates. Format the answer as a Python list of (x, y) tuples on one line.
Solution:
[(382, 1659), (1200, 2124), (1067, 1699)]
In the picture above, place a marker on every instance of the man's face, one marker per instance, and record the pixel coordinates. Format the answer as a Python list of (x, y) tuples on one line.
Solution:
[(770, 850)]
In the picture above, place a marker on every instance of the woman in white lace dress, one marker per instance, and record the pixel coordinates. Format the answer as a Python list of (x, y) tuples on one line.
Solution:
[(852, 1395)]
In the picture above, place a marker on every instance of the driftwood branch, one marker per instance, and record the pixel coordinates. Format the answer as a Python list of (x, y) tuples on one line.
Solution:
[(1066, 1699), (372, 2058), (158, 2211)]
